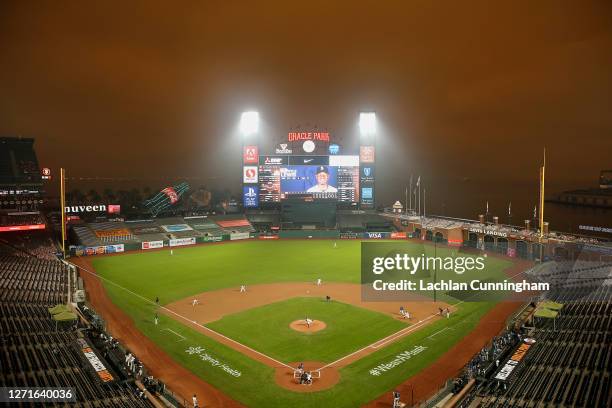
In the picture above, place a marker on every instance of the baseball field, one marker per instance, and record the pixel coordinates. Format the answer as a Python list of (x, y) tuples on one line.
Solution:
[(243, 346)]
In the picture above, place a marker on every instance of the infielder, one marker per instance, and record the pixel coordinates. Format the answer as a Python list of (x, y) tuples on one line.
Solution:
[(319, 282), (242, 288), (195, 302)]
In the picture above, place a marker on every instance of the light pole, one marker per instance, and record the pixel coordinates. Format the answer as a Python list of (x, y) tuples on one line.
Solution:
[(435, 269)]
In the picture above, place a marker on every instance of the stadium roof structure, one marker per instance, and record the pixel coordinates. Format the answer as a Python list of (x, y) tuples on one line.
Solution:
[(546, 313), (65, 317), (549, 304)]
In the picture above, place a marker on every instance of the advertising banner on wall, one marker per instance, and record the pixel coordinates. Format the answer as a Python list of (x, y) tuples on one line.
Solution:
[(79, 209), (367, 175), (250, 196), (250, 155), (398, 235), (96, 364), (239, 235), (152, 244), (213, 238), (111, 249), (376, 235), (283, 148), (98, 250), (514, 361), (367, 196), (114, 209), (182, 241), (249, 174), (269, 237), (366, 154)]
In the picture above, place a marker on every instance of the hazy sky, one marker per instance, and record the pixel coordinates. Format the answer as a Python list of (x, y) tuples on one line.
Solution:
[(463, 89)]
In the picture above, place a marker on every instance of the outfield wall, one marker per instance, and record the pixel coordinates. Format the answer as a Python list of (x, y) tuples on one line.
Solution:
[(79, 250), (309, 234)]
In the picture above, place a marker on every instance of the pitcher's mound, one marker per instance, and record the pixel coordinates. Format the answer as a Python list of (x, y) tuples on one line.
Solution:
[(301, 326)]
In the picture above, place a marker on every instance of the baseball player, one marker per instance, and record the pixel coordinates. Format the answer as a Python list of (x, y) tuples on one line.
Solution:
[(156, 319), (308, 322), (335, 244), (322, 186), (195, 302), (242, 288), (319, 282), (396, 399), (171, 252)]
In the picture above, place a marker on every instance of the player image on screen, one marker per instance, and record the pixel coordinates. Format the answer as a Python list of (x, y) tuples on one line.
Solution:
[(322, 186), (320, 182)]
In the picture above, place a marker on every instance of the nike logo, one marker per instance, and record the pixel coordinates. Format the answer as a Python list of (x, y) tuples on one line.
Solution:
[(307, 161)]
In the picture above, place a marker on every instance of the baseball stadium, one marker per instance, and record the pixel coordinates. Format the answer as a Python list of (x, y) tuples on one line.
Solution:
[(177, 232), (302, 294)]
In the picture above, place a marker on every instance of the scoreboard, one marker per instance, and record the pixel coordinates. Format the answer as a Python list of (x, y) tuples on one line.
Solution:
[(307, 166)]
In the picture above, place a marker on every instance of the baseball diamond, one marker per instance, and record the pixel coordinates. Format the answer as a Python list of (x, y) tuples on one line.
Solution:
[(248, 333)]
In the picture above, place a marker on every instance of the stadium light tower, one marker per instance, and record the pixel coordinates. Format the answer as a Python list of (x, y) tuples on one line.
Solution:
[(249, 123), (367, 123)]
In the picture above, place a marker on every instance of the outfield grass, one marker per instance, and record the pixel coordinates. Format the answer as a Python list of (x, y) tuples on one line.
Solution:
[(196, 269), (266, 329)]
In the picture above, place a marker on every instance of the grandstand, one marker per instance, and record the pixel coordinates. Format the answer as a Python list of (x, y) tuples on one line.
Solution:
[(561, 356), (38, 350), (158, 229)]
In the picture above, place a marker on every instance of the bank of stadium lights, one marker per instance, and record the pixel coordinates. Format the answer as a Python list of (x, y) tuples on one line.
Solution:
[(367, 123), (249, 123)]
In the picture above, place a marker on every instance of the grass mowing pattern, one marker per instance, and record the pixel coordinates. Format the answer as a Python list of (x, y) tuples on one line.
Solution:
[(266, 329), (196, 269)]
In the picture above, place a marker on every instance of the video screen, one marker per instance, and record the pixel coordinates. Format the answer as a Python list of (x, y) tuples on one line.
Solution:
[(314, 177), (321, 181)]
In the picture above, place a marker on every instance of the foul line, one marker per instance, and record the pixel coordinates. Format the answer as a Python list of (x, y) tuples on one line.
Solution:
[(438, 332), (170, 330), (184, 318), (401, 333)]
